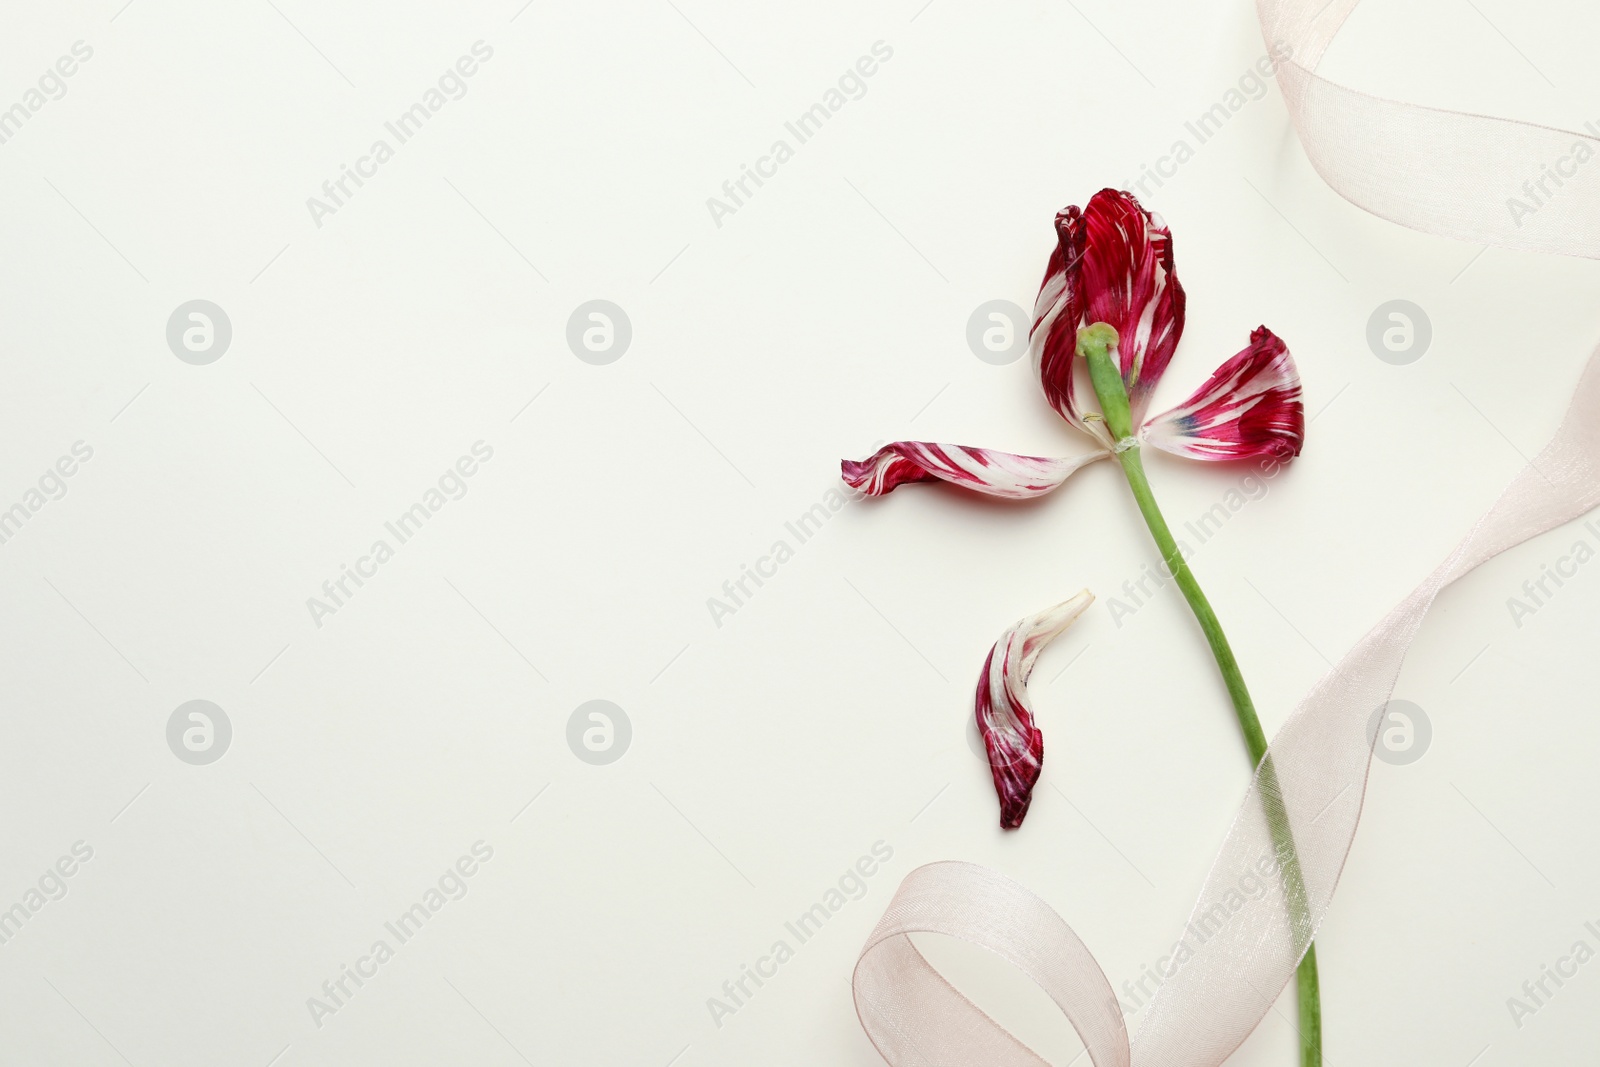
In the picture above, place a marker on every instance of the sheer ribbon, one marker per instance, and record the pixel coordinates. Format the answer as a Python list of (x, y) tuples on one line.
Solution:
[(1439, 171)]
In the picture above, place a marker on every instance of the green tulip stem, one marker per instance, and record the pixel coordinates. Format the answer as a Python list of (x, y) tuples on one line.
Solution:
[(1097, 343)]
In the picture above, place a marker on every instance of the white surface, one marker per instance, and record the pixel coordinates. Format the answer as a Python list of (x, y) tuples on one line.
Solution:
[(768, 754)]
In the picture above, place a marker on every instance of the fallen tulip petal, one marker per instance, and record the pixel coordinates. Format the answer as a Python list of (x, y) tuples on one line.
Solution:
[(983, 470), (1015, 745), (1250, 407)]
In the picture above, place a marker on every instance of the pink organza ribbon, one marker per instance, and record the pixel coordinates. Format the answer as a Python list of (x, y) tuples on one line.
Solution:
[(1439, 171)]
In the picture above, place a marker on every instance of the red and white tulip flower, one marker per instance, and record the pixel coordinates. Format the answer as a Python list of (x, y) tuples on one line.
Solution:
[(1105, 327), (1113, 264)]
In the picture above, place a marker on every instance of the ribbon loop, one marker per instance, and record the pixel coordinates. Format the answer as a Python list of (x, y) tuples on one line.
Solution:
[(1244, 938), (916, 1017), (1442, 172), (1475, 178)]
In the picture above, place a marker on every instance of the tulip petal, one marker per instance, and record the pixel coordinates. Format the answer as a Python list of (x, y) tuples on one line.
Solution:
[(1250, 407), (981, 469), (1053, 340), (1127, 280), (1015, 745), (1113, 264)]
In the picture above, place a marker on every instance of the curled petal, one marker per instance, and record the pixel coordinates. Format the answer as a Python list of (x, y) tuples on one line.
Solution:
[(1250, 407), (982, 469), (1128, 281), (1113, 264), (1057, 312), (1015, 745)]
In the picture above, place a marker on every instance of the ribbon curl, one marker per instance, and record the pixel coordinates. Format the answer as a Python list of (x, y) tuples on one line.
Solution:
[(1443, 172)]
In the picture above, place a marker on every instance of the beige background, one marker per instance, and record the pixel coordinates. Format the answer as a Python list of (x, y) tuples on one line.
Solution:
[(827, 313)]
